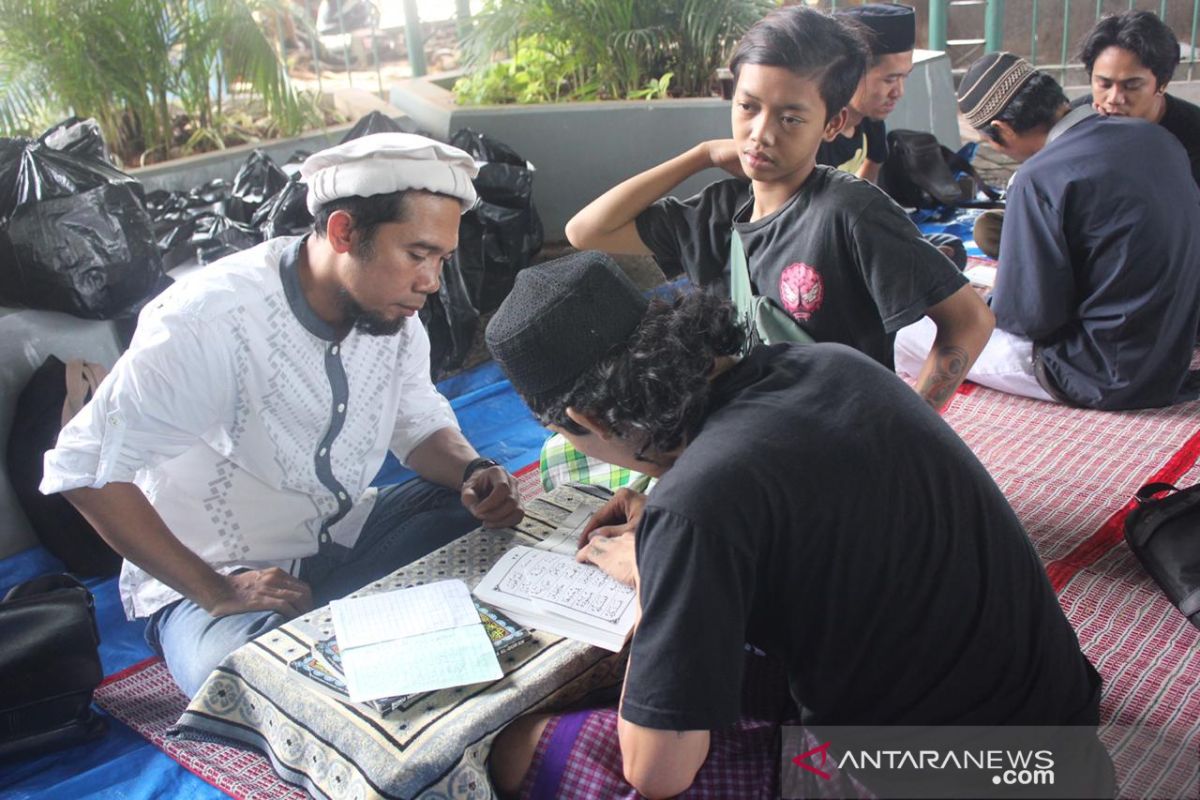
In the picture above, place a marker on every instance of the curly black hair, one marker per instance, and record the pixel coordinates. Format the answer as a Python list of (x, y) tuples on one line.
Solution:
[(1036, 105), (1141, 33), (653, 389), (812, 45)]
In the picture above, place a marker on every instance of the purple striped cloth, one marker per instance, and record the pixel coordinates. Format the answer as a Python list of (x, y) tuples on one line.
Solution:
[(578, 754)]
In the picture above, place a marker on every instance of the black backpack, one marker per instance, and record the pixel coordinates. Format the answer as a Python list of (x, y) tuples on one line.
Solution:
[(58, 525), (920, 173)]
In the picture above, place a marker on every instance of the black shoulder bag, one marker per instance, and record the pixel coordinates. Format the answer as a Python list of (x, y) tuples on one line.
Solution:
[(49, 666), (919, 173), (1164, 534)]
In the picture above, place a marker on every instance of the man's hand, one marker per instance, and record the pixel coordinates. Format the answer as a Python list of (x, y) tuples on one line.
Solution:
[(615, 555), (723, 154), (617, 517), (492, 497), (269, 589)]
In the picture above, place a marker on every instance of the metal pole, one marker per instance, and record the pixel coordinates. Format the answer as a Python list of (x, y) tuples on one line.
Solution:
[(993, 26), (1065, 39), (1033, 35), (462, 10), (375, 55), (937, 24), (346, 41), (413, 38), (1192, 43), (309, 19)]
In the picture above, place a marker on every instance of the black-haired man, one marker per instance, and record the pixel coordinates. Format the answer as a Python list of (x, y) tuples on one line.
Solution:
[(919, 601), (1095, 296)]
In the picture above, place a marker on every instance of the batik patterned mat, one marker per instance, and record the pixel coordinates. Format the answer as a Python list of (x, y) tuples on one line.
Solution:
[(1069, 475)]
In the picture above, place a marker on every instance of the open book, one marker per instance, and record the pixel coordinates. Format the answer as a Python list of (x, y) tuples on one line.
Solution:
[(544, 587)]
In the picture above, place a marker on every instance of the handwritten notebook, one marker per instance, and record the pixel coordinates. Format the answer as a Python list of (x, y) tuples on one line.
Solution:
[(412, 640), (544, 587)]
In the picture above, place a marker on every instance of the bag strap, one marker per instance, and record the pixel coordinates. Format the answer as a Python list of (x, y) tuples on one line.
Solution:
[(1146, 493), (42, 585), (83, 378), (739, 275)]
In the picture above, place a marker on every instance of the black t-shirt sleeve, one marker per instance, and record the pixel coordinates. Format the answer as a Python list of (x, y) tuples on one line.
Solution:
[(903, 272), (876, 133), (692, 235), (685, 665)]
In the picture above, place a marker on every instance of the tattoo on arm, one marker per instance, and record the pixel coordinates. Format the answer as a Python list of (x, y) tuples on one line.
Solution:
[(949, 369)]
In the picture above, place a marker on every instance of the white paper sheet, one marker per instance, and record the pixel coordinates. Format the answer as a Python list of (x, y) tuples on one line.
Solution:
[(565, 539), (401, 613), (422, 663)]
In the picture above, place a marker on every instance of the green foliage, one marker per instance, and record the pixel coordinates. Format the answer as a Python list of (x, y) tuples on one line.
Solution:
[(127, 62), (539, 72), (615, 48)]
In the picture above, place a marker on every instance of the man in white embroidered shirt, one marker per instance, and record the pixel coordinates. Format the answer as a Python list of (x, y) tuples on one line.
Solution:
[(228, 456)]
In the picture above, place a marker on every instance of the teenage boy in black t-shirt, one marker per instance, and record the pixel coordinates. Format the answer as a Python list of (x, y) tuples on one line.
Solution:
[(835, 252), (807, 503)]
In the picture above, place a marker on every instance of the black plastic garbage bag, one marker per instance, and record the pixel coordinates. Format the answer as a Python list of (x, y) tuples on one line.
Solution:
[(501, 235), (74, 233), (256, 182), (215, 236), (451, 321), (81, 137), (376, 122), (285, 214)]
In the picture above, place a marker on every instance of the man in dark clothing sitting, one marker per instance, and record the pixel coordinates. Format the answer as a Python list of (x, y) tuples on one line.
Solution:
[(861, 147), (1096, 296), (809, 503), (1130, 59)]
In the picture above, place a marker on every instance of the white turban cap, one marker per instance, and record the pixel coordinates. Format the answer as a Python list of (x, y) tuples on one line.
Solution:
[(388, 162)]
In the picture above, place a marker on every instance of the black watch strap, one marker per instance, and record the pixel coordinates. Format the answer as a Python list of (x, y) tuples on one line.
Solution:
[(476, 465)]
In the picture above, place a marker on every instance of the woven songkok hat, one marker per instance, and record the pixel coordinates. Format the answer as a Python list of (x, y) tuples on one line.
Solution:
[(893, 28), (383, 163), (561, 318), (990, 85)]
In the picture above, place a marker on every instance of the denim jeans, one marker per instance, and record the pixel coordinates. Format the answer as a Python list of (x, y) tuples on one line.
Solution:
[(408, 521)]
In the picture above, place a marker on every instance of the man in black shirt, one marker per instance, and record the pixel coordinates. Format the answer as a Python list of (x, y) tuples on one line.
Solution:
[(861, 146), (1130, 59), (808, 503), (1099, 275)]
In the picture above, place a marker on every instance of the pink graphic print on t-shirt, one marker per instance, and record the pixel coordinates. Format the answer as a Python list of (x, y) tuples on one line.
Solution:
[(802, 290)]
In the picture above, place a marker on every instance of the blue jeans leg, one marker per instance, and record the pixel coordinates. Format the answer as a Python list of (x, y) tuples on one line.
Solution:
[(193, 642), (408, 521)]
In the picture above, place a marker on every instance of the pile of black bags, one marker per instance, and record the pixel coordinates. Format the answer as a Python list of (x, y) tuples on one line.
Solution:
[(77, 235)]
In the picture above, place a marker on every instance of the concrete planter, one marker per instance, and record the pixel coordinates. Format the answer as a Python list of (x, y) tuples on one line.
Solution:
[(582, 149)]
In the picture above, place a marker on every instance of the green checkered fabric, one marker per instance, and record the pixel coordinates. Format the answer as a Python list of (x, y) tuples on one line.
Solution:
[(560, 463)]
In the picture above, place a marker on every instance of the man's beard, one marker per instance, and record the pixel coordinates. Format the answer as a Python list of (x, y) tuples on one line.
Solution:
[(371, 323)]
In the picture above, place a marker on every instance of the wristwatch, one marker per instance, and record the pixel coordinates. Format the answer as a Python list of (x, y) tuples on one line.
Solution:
[(476, 465)]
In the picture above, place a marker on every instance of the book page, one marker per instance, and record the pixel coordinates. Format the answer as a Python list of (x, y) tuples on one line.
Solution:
[(403, 612), (435, 660), (557, 583)]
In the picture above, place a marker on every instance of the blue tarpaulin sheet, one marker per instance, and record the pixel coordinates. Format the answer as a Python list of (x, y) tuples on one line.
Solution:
[(124, 765)]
